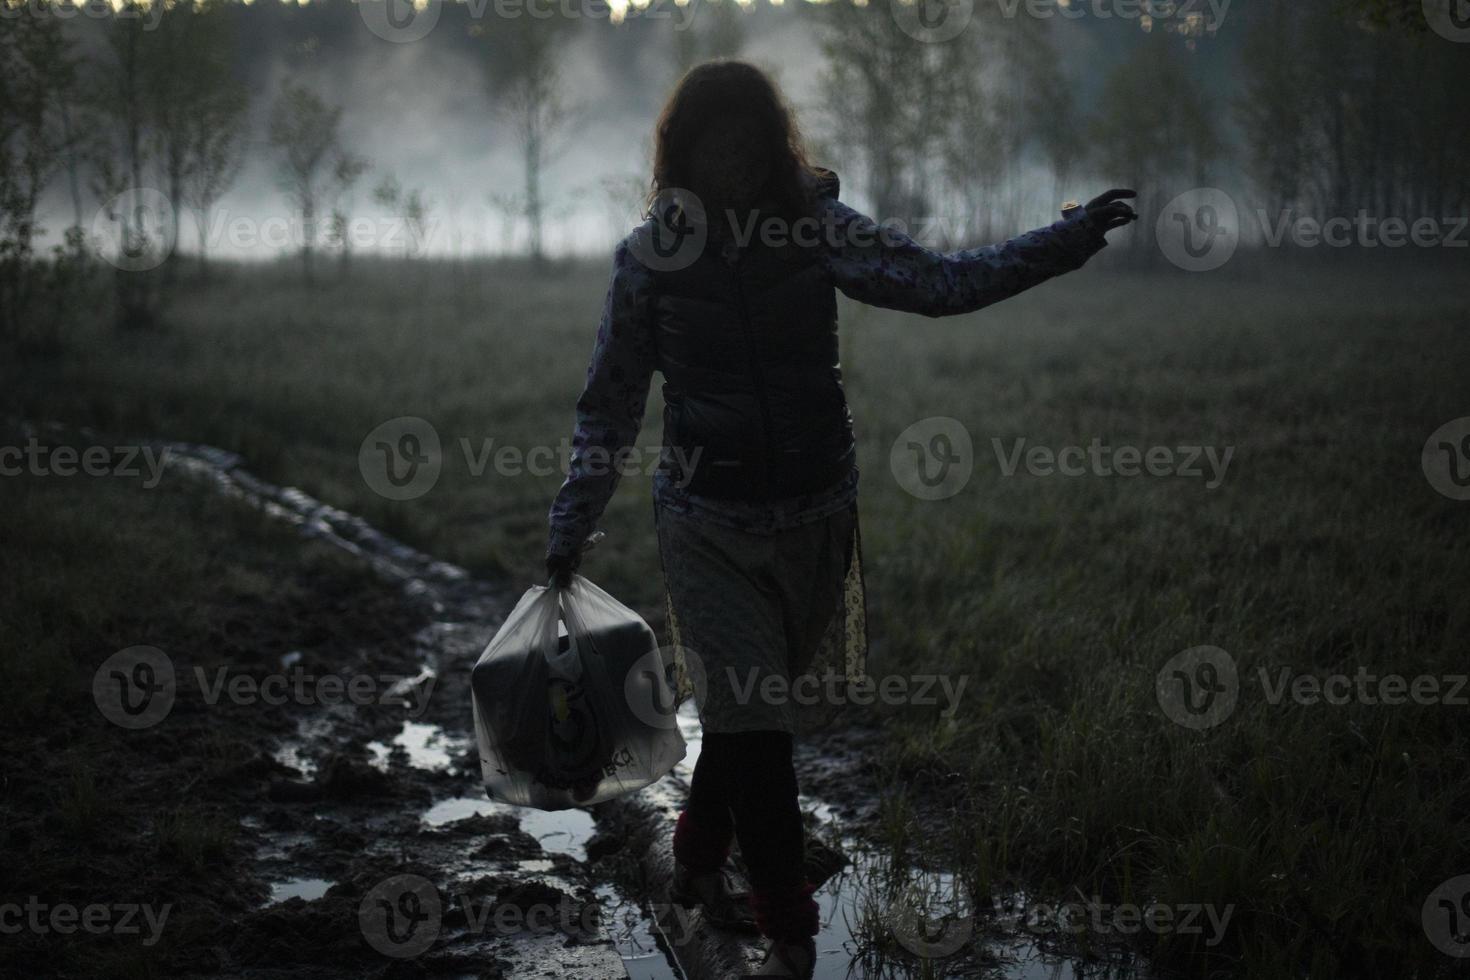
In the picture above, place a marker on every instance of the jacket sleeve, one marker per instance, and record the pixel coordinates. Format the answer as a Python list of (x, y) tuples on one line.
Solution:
[(882, 266), (610, 409)]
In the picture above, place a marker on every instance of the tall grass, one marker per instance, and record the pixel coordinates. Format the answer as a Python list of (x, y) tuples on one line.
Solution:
[(1324, 549)]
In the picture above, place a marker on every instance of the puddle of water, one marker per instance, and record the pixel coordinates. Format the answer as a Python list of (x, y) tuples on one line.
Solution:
[(378, 754), (427, 747), (293, 756), (632, 932), (856, 895), (458, 808), (846, 900), (308, 889), (560, 831)]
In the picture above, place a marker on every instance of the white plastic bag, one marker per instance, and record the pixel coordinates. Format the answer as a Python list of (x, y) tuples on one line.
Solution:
[(572, 704)]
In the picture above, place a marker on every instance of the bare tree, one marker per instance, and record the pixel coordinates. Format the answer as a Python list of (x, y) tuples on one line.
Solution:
[(121, 150), (218, 139), (35, 64), (1047, 100), (304, 130), (526, 90), (347, 169), (1164, 145), (409, 206), (197, 108), (511, 207), (890, 96), (973, 155), (1271, 109)]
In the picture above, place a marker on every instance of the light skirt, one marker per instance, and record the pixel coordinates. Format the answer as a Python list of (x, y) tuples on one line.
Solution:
[(764, 626)]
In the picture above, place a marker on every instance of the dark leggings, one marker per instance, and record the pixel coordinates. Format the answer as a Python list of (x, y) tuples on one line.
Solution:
[(744, 785)]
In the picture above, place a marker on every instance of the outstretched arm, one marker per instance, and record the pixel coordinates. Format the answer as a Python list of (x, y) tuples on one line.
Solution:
[(882, 266), (609, 411)]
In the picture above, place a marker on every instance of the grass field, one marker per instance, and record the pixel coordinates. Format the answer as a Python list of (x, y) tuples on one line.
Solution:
[(1323, 549)]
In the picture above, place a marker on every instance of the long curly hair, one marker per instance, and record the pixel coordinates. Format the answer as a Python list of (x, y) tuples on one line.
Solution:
[(726, 125)]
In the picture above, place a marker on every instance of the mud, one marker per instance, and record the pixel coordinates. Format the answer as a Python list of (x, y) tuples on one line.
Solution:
[(334, 828)]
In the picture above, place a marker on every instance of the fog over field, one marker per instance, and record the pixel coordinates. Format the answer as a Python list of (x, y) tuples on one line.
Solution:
[(424, 109)]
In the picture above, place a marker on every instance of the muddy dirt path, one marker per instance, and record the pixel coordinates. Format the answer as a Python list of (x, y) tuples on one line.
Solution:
[(383, 857)]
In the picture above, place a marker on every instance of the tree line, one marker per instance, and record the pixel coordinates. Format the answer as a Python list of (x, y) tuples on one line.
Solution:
[(1327, 108)]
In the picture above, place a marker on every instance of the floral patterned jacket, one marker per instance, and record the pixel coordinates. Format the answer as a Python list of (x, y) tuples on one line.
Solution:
[(871, 263)]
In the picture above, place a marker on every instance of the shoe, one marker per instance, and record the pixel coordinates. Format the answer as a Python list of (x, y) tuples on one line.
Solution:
[(786, 959), (726, 905)]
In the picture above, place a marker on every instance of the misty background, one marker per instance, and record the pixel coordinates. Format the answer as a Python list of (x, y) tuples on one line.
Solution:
[(511, 130)]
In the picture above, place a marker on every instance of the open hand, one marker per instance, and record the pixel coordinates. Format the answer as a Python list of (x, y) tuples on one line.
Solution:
[(1108, 211)]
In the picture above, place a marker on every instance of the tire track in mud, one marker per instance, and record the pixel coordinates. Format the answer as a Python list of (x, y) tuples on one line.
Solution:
[(466, 613), (506, 888)]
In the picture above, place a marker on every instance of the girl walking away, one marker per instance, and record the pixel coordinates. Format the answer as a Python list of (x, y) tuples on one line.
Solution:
[(727, 290)]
